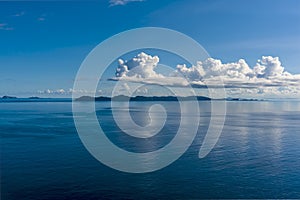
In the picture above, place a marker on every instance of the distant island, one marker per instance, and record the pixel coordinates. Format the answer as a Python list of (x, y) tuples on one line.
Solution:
[(141, 98), (156, 98), (13, 99), (120, 98), (8, 97), (33, 97)]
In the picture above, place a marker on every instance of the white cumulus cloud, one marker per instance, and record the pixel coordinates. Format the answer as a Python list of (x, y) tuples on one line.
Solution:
[(141, 69), (268, 76)]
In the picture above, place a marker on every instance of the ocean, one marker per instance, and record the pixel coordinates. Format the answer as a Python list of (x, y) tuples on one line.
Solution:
[(256, 156)]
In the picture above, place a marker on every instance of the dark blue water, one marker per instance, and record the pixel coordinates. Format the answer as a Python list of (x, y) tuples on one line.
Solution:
[(257, 155)]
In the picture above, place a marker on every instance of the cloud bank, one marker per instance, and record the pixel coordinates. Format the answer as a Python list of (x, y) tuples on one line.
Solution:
[(66, 92), (268, 76)]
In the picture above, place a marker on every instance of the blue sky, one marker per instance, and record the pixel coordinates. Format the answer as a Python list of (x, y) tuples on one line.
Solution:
[(42, 43)]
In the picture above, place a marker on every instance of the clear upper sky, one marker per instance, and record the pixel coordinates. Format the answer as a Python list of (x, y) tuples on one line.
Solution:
[(42, 43)]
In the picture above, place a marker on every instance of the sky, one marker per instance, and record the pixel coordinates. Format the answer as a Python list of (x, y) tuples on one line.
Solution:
[(43, 43)]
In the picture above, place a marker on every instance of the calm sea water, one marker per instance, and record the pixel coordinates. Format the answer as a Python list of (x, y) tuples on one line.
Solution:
[(257, 155)]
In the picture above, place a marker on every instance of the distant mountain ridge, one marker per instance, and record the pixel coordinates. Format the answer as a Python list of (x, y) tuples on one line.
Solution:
[(157, 98), (142, 98), (8, 97), (120, 98)]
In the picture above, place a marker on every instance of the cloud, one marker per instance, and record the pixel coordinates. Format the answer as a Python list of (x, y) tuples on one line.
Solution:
[(19, 14), (141, 66), (41, 19), (141, 69), (48, 91), (122, 2), (268, 76), (69, 91), (5, 27)]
